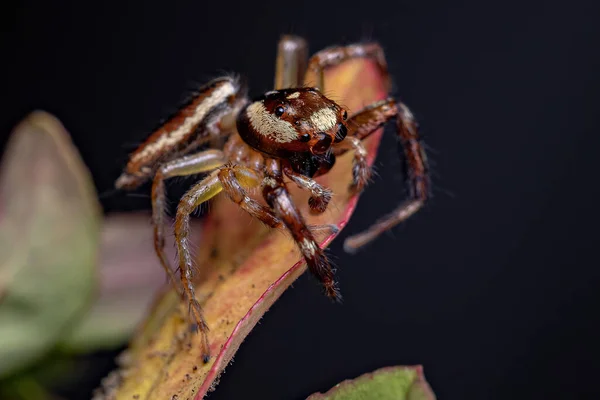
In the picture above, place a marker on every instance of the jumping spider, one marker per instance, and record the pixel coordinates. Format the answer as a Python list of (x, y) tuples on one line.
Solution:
[(294, 132)]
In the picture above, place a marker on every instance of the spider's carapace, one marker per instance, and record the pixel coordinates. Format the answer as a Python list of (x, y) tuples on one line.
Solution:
[(294, 132), (285, 122)]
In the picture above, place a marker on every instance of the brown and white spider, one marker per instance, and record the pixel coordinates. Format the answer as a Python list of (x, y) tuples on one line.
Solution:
[(293, 132)]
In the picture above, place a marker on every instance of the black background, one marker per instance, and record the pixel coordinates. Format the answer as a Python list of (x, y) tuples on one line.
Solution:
[(493, 288)]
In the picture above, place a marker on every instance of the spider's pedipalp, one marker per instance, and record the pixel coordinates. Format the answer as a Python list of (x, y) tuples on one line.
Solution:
[(320, 196)]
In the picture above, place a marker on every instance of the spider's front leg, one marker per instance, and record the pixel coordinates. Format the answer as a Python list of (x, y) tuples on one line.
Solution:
[(233, 180), (364, 123), (333, 56), (277, 196), (361, 171)]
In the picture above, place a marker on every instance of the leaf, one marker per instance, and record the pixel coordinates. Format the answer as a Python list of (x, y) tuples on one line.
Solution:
[(129, 277), (244, 268), (48, 240), (389, 383)]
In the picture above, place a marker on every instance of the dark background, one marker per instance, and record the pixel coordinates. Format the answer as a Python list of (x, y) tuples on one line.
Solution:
[(493, 288)]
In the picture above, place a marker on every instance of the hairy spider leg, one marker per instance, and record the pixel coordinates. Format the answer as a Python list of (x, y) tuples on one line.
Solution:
[(233, 180), (188, 165), (368, 121), (333, 56), (364, 123), (278, 197), (290, 69), (291, 61), (361, 172)]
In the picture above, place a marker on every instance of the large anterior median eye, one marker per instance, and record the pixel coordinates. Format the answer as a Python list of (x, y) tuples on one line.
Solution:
[(279, 110), (322, 145), (305, 138), (341, 133)]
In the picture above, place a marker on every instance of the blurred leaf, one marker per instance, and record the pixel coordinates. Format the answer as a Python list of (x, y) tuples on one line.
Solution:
[(390, 383), (49, 224), (244, 267), (129, 277)]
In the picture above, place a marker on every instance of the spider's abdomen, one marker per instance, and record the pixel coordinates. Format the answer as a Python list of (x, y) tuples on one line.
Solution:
[(182, 130)]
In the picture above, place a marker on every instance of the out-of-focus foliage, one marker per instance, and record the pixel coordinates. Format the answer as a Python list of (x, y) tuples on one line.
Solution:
[(49, 229), (390, 383), (129, 276), (70, 281)]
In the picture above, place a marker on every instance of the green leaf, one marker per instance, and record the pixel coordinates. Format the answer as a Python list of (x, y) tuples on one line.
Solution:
[(390, 383), (49, 227)]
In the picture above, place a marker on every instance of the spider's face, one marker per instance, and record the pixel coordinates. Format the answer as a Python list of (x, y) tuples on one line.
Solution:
[(282, 122)]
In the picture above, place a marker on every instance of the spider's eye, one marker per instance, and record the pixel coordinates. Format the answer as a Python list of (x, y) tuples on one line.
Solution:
[(279, 111), (305, 138), (322, 145), (345, 116)]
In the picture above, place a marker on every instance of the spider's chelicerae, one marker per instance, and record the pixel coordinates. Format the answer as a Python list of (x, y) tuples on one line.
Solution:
[(294, 132)]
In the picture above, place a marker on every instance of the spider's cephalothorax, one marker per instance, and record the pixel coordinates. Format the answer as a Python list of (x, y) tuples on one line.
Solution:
[(298, 125), (295, 133), (285, 122)]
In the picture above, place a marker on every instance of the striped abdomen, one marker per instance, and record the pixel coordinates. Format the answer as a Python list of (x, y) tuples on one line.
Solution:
[(192, 125)]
